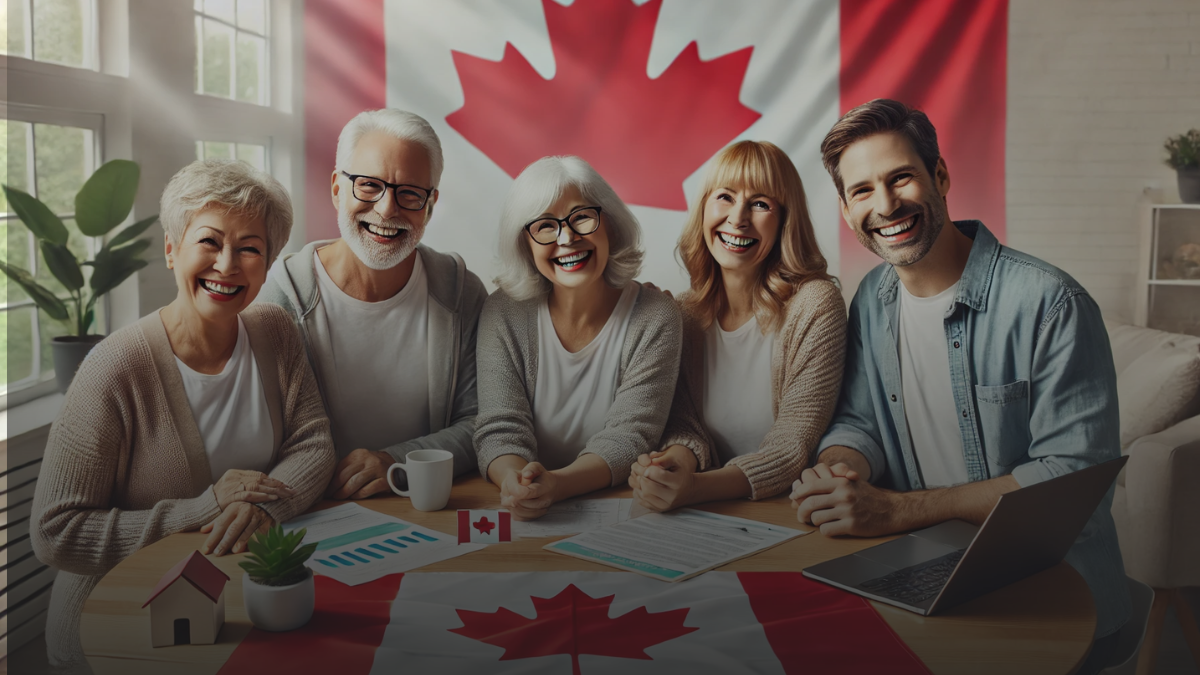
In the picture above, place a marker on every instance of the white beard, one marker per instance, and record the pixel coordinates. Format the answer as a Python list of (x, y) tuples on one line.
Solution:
[(371, 253)]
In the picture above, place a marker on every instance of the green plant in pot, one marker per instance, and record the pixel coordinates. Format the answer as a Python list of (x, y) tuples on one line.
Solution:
[(1184, 156), (278, 589), (103, 203)]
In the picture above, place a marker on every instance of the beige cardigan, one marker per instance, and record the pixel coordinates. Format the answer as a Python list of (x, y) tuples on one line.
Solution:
[(806, 377), (125, 464)]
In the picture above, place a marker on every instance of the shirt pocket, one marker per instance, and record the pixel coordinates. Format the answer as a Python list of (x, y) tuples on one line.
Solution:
[(1004, 421)]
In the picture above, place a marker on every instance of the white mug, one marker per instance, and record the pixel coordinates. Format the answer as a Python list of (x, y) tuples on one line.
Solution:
[(430, 474)]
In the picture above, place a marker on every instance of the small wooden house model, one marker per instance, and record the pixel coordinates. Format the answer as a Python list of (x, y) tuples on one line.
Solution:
[(188, 604)]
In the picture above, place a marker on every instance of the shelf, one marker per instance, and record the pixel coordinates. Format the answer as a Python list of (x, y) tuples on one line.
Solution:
[(1175, 206), (1174, 282)]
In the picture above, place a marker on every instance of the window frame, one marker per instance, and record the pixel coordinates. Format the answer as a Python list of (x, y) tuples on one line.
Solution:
[(265, 88), (91, 38), (38, 383), (264, 143)]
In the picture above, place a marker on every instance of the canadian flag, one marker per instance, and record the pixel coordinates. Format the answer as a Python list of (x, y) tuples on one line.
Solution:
[(648, 91), (484, 526), (582, 622)]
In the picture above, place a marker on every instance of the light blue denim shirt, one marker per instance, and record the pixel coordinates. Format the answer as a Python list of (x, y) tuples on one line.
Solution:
[(1033, 381)]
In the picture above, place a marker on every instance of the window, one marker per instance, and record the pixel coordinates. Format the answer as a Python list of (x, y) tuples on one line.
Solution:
[(231, 49), (254, 155), (56, 31), (50, 162)]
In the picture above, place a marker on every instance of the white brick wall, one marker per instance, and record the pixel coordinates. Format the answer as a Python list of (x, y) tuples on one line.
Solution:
[(1094, 89)]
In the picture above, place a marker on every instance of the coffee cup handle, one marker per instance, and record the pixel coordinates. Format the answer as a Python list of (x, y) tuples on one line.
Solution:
[(397, 465)]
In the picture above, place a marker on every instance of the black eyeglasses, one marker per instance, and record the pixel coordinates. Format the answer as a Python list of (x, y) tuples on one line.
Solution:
[(370, 189), (582, 221)]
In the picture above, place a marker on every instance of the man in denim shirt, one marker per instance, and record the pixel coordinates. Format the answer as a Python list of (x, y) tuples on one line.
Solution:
[(1013, 386)]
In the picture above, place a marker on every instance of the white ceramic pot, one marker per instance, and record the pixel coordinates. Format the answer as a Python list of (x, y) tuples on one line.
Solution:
[(279, 608)]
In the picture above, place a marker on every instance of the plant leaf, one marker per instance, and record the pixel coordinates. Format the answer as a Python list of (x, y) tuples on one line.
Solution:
[(63, 265), (132, 250), (37, 216), (52, 306), (107, 197), (113, 266), (107, 277), (130, 233)]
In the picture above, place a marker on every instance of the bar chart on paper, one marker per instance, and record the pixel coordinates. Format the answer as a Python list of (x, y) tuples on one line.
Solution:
[(356, 545)]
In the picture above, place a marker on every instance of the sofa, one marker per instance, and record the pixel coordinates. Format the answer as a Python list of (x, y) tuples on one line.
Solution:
[(1157, 501)]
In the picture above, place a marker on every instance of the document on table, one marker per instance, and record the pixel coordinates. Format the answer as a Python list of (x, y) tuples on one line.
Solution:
[(674, 546), (573, 517), (356, 545)]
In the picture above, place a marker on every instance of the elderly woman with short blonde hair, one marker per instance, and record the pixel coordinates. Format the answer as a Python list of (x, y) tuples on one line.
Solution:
[(202, 415), (577, 362)]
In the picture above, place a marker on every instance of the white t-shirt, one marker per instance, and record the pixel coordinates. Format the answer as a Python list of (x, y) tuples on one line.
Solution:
[(230, 410), (737, 388), (928, 400), (380, 363), (574, 391)]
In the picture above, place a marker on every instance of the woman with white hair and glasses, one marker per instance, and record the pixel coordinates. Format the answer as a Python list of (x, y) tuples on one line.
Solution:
[(577, 362), (202, 415)]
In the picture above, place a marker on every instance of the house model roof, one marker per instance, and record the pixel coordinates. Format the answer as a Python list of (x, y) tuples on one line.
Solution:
[(199, 572)]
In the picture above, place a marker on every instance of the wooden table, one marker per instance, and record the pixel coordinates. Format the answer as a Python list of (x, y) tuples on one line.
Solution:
[(1041, 625)]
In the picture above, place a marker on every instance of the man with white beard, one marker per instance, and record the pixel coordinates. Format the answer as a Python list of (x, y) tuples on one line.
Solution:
[(390, 335)]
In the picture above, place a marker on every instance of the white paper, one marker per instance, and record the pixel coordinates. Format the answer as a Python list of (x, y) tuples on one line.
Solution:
[(573, 517), (357, 545), (675, 546)]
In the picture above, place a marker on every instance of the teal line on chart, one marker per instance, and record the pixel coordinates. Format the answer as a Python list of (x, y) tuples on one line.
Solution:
[(423, 536), (409, 540), (326, 563), (351, 556), (341, 560), (383, 548), (393, 542), (359, 535), (364, 551)]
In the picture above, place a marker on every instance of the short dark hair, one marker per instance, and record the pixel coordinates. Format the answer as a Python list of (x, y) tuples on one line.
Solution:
[(883, 115)]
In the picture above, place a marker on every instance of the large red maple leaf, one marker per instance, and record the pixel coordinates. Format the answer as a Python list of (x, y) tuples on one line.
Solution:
[(645, 136), (574, 623)]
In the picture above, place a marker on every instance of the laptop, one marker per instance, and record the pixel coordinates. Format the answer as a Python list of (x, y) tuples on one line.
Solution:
[(939, 567)]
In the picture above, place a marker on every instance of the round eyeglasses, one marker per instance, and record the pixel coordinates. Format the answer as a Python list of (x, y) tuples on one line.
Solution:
[(582, 221), (370, 189)]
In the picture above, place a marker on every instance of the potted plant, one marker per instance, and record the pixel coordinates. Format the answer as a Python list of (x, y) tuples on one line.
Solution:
[(1184, 156), (277, 588), (103, 203)]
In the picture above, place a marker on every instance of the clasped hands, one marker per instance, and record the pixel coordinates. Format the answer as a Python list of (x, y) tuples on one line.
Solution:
[(238, 492), (834, 499), (528, 492), (664, 480)]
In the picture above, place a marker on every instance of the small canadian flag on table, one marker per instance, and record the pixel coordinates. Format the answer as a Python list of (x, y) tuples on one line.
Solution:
[(484, 527)]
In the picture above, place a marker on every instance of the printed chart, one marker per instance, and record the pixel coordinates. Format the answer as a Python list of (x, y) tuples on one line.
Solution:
[(356, 545)]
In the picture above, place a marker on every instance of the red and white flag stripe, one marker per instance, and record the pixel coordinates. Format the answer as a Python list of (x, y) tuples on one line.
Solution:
[(582, 622), (657, 90)]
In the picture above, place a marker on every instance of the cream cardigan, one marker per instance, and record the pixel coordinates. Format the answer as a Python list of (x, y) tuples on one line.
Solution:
[(125, 464), (806, 377)]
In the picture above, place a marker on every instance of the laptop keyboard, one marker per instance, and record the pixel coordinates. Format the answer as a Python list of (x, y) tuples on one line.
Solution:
[(915, 584)]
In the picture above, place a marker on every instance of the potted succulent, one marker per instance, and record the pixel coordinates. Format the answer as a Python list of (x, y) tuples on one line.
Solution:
[(277, 588), (103, 203), (1184, 156)]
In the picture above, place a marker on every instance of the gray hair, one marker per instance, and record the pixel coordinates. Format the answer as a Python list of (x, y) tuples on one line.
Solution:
[(540, 185), (232, 185), (399, 123)]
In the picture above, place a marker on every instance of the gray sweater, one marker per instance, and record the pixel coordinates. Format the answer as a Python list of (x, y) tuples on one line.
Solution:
[(456, 299), (508, 363)]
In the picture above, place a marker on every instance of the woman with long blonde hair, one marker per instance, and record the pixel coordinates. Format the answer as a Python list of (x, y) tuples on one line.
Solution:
[(764, 328)]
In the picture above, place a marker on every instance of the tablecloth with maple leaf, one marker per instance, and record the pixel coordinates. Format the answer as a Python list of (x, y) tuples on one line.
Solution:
[(582, 623)]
